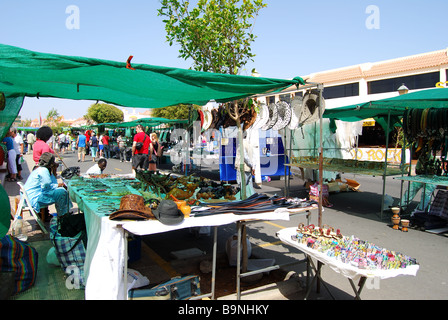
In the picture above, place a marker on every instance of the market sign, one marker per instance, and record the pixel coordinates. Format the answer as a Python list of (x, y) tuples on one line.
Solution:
[(378, 154), (370, 122)]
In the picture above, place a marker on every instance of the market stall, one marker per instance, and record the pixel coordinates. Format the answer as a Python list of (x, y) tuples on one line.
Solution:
[(354, 258), (100, 198), (42, 75), (388, 113)]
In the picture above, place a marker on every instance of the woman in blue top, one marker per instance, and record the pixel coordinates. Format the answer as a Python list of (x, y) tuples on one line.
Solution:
[(43, 189), (11, 158)]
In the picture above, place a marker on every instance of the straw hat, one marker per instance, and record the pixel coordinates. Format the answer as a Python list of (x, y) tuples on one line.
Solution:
[(262, 116), (249, 118), (132, 207), (215, 119), (284, 115), (208, 118), (296, 108), (273, 116), (310, 110)]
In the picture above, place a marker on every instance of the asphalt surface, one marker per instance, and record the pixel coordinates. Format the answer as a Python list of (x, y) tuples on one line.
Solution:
[(354, 213)]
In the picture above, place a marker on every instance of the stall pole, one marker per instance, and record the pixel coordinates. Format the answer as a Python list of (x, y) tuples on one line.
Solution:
[(215, 246), (321, 167), (385, 168), (238, 260)]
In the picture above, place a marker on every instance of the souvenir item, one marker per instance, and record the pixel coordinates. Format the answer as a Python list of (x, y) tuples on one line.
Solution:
[(132, 207), (404, 225), (262, 116), (310, 109), (296, 110), (201, 116), (273, 116), (168, 213), (249, 118), (215, 118), (284, 115), (351, 250), (208, 118)]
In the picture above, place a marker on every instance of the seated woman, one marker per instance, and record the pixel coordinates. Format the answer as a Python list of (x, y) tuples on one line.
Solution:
[(43, 189)]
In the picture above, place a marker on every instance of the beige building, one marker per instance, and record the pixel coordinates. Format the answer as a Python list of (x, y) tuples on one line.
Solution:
[(374, 81)]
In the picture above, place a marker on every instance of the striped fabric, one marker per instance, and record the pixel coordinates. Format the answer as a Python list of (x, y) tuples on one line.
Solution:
[(21, 258), (71, 254)]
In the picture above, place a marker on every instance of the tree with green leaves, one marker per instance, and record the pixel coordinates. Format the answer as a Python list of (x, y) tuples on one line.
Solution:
[(54, 120), (104, 113), (217, 35), (53, 114), (173, 112)]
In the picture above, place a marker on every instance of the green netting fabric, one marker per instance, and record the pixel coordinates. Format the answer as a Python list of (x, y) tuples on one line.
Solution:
[(34, 74), (144, 121), (9, 114)]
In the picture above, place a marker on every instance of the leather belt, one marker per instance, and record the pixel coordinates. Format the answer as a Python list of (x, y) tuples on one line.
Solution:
[(257, 203)]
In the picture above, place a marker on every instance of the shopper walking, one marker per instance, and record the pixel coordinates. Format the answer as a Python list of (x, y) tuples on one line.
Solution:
[(155, 152), (122, 148), (140, 149), (106, 146), (93, 145), (81, 144), (30, 139)]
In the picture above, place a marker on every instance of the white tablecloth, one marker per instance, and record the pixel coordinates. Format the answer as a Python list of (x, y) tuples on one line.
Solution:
[(345, 269), (105, 261)]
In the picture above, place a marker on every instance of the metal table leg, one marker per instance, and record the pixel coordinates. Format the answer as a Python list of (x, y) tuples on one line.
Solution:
[(361, 283), (317, 277)]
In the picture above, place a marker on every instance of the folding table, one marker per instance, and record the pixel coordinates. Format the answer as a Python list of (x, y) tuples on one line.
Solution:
[(106, 253), (349, 271)]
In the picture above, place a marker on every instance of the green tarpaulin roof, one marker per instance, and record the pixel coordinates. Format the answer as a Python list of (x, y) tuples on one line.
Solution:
[(431, 98), (25, 73), (35, 74), (144, 121)]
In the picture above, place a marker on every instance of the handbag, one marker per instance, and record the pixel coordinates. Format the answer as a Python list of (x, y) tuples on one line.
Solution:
[(71, 225), (70, 172), (139, 145)]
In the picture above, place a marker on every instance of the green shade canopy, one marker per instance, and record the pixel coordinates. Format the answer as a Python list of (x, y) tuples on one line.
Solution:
[(34, 74), (431, 98), (5, 212), (143, 121)]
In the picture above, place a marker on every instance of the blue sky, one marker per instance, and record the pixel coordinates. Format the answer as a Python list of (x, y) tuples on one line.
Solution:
[(295, 37)]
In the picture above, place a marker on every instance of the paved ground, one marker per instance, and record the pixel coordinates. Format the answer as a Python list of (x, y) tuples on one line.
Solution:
[(354, 213)]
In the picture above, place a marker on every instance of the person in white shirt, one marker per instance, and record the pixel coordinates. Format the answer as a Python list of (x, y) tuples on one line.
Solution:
[(62, 142), (31, 139), (98, 168)]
